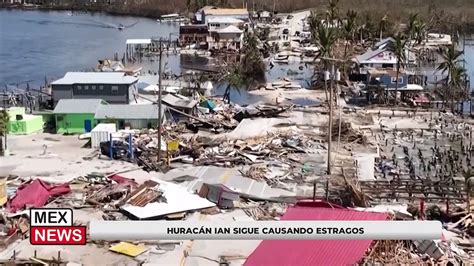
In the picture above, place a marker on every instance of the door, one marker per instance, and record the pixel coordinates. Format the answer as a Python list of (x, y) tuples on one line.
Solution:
[(87, 125)]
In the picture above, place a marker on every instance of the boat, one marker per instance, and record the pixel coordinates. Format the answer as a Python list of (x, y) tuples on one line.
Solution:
[(281, 58), (172, 18)]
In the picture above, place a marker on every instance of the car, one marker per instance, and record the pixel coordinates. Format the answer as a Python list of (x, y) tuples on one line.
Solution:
[(119, 149), (289, 17)]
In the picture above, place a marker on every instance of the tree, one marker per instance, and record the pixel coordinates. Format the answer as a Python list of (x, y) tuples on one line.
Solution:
[(349, 26), (420, 31), (367, 28), (252, 65), (457, 86), (398, 49), (450, 58), (324, 37), (4, 119), (332, 13), (250, 69), (455, 75), (234, 80), (382, 26), (412, 21)]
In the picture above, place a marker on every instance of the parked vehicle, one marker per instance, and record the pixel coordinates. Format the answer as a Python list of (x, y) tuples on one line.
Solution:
[(119, 149)]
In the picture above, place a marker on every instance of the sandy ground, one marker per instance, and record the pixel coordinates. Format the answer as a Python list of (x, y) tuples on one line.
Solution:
[(63, 158), (63, 161)]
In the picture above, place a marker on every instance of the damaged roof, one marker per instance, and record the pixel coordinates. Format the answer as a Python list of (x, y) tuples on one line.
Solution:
[(178, 199), (180, 102)]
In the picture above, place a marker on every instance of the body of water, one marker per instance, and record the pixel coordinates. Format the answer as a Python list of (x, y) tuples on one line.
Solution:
[(35, 45), (39, 44)]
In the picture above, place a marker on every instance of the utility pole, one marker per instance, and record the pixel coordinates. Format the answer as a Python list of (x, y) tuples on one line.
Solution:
[(333, 76), (159, 101), (330, 119), (5, 130)]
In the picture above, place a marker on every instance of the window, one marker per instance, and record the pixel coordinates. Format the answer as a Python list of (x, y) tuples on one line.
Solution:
[(101, 87), (115, 88), (79, 87), (394, 80), (93, 87), (86, 87)]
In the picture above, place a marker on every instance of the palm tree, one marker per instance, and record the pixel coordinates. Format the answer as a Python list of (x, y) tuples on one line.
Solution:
[(451, 58), (398, 49), (382, 26), (412, 21), (332, 13), (4, 118), (252, 65), (456, 86), (420, 31), (367, 28), (349, 27), (324, 37), (234, 80), (250, 69), (313, 20)]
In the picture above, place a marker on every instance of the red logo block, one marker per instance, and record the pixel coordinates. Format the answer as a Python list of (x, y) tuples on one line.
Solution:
[(51, 226), (58, 235)]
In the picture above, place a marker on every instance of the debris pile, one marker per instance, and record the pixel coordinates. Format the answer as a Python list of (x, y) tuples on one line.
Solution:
[(346, 132)]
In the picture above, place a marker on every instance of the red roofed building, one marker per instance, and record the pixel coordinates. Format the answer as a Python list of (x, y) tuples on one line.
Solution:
[(314, 252)]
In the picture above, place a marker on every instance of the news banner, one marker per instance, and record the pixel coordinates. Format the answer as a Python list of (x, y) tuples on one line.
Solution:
[(55, 227)]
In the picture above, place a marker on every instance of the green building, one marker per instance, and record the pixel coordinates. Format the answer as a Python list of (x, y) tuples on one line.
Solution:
[(76, 116), (21, 123)]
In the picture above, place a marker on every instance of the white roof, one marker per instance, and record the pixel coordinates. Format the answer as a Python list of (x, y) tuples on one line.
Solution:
[(409, 87), (228, 20), (230, 29), (138, 41), (95, 78), (204, 8), (105, 127), (170, 15)]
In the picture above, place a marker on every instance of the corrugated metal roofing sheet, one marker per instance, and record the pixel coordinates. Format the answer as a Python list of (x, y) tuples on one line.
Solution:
[(180, 102), (129, 111), (78, 106), (95, 78), (314, 252)]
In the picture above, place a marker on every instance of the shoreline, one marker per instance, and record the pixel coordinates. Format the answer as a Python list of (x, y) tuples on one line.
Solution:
[(449, 26), (72, 9)]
